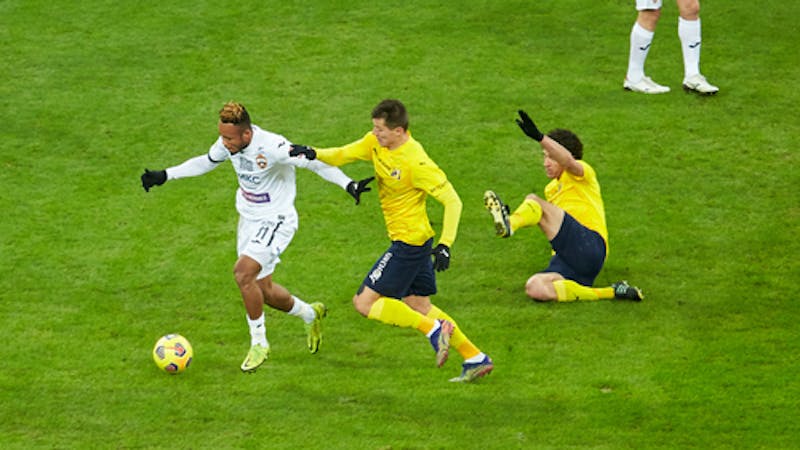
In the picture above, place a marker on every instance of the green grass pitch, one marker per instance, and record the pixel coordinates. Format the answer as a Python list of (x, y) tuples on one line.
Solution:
[(701, 197)]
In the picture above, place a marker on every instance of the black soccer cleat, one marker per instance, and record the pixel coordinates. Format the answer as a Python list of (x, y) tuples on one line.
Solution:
[(624, 291)]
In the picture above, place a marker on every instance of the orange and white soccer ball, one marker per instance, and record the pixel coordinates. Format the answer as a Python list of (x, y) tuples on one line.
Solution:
[(173, 353)]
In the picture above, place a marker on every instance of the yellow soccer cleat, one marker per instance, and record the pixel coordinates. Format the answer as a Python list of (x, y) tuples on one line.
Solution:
[(255, 357), (314, 328)]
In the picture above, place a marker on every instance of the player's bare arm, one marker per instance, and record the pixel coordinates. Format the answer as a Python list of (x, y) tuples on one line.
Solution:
[(551, 148), (555, 151)]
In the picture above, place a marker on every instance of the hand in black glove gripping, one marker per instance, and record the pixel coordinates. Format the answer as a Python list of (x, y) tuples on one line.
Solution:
[(441, 257), (152, 178), (355, 188), (528, 127), (304, 150)]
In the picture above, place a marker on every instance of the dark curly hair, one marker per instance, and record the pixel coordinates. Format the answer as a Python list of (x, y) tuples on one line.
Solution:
[(569, 140)]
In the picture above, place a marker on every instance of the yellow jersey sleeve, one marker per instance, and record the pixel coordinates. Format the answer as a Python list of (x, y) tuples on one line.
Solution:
[(432, 180), (358, 150)]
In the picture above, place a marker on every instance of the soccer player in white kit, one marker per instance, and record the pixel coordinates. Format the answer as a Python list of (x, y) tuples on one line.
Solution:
[(642, 36), (267, 217)]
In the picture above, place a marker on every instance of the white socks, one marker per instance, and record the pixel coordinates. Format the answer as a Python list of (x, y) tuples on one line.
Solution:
[(640, 46), (302, 310), (258, 332), (689, 34), (641, 39)]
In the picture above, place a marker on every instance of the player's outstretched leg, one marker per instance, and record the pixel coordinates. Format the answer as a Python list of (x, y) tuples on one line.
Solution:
[(314, 329)]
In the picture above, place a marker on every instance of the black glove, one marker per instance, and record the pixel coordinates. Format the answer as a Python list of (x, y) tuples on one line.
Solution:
[(152, 178), (304, 150), (355, 188), (441, 257), (528, 127)]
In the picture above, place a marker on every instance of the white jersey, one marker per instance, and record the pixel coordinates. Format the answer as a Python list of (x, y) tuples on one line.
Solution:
[(265, 171)]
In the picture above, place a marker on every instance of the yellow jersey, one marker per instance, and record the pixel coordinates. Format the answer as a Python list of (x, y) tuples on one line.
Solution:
[(581, 198), (405, 175)]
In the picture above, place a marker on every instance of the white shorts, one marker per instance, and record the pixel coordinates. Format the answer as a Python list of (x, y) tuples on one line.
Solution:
[(265, 240), (648, 4)]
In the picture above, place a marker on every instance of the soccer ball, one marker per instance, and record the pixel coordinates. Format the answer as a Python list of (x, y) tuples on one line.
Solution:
[(173, 353)]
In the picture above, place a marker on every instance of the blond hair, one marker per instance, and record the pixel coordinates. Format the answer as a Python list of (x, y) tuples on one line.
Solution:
[(235, 113)]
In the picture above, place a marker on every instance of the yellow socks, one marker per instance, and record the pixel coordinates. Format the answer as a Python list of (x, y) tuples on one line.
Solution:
[(527, 214), (458, 340), (394, 312), (570, 291)]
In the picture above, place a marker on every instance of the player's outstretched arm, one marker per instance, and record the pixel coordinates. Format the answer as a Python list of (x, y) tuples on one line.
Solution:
[(528, 127), (192, 167), (152, 178), (552, 148), (355, 188)]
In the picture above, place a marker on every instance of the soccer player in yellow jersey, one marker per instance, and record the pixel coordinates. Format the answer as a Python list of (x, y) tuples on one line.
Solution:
[(397, 289), (572, 218)]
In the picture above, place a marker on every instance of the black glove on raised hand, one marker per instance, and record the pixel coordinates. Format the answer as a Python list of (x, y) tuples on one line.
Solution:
[(441, 257), (355, 188), (304, 150), (152, 178), (528, 127)]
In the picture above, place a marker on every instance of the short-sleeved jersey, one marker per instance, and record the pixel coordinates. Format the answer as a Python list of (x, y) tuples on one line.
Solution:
[(580, 197), (266, 174), (406, 176)]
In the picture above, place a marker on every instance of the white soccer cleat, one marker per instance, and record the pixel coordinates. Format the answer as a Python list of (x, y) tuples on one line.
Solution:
[(697, 83), (645, 85)]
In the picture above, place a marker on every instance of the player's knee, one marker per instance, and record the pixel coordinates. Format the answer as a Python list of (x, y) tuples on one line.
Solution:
[(239, 276), (689, 9), (536, 290), (245, 271), (648, 19), (243, 275), (361, 306)]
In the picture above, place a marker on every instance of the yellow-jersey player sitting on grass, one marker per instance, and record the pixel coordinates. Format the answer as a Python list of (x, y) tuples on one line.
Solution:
[(397, 289), (572, 218)]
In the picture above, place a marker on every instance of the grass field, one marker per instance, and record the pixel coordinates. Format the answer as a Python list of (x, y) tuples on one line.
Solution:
[(701, 196)]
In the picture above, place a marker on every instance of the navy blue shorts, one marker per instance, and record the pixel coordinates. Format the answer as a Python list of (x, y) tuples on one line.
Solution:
[(580, 252), (403, 270)]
